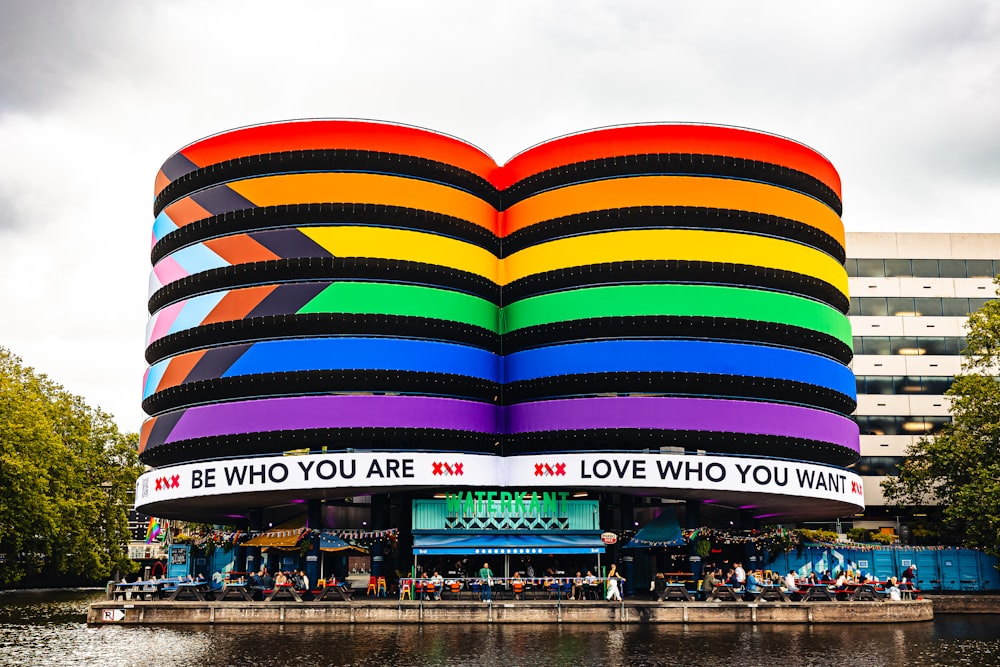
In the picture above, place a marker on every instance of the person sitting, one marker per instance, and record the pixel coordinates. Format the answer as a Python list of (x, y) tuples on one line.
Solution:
[(437, 581), (576, 592), (708, 585), (517, 586), (753, 583), (894, 593), (216, 581), (791, 583), (590, 585), (280, 579)]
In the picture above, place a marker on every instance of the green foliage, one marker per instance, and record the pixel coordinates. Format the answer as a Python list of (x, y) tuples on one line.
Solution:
[(808, 535), (703, 548), (66, 475), (959, 468), (883, 538), (858, 535)]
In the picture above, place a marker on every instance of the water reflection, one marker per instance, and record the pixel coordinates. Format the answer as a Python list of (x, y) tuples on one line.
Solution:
[(47, 628)]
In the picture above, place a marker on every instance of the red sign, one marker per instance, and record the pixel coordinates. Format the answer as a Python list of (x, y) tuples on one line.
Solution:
[(609, 538)]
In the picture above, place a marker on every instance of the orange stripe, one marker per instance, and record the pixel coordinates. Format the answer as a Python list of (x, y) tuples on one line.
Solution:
[(144, 431), (238, 303), (161, 182), (367, 189), (178, 368), (240, 249), (646, 139), (185, 211), (673, 191)]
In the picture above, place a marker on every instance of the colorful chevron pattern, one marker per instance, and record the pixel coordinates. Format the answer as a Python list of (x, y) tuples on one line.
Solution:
[(353, 283)]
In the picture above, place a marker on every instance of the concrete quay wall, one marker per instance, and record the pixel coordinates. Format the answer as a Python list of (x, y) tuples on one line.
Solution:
[(965, 604), (168, 613)]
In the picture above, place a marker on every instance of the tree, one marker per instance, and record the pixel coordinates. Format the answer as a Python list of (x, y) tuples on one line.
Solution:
[(959, 467), (66, 474)]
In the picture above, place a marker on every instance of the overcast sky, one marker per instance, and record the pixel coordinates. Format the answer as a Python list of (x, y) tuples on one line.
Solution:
[(903, 97)]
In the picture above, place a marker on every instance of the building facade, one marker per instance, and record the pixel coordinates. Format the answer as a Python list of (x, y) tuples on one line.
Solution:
[(348, 314), (910, 297)]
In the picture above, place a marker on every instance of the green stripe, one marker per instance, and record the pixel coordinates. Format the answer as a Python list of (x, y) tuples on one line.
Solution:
[(405, 300), (681, 300)]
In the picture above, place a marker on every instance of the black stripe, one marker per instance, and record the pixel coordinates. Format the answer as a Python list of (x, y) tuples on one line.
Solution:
[(723, 443), (682, 327), (679, 384), (676, 271), (303, 383), (672, 164), (309, 325), (325, 268), (276, 442), (328, 160), (305, 215), (673, 217)]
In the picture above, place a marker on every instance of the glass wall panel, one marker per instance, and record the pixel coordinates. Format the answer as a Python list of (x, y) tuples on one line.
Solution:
[(877, 345), (904, 345), (871, 268), (955, 307), (925, 268), (901, 305), (952, 268), (933, 384), (927, 306), (898, 267), (931, 345), (980, 268), (874, 306)]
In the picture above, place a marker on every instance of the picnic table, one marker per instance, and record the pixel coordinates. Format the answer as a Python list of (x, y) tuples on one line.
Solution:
[(674, 591), (147, 590), (858, 592), (239, 589), (283, 591), (815, 592), (197, 590), (333, 591), (725, 593), (768, 592)]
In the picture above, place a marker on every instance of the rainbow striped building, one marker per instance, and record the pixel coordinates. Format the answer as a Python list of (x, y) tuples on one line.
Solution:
[(641, 314)]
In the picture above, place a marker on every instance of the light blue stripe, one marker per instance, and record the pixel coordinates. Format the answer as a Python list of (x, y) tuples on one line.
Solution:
[(197, 258), (162, 226), (195, 310)]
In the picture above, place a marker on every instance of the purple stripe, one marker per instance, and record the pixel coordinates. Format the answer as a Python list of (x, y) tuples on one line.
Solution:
[(683, 414), (307, 412), (177, 165), (221, 199)]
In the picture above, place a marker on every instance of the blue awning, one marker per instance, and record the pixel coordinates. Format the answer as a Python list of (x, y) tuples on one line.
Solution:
[(429, 544), (329, 542), (663, 531)]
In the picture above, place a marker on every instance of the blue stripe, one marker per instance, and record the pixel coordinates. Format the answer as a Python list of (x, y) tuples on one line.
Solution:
[(366, 354), (651, 356)]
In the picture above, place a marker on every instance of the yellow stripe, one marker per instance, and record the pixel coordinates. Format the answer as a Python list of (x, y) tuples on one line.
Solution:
[(674, 191), (402, 244), (367, 189), (682, 244)]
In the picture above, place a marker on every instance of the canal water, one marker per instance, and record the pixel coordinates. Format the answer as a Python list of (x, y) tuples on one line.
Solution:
[(41, 628)]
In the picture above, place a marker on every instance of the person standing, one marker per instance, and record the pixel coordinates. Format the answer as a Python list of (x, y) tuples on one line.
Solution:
[(486, 587), (613, 592), (741, 575)]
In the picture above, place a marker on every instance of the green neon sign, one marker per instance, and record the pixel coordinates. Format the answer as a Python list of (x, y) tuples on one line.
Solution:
[(507, 503)]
